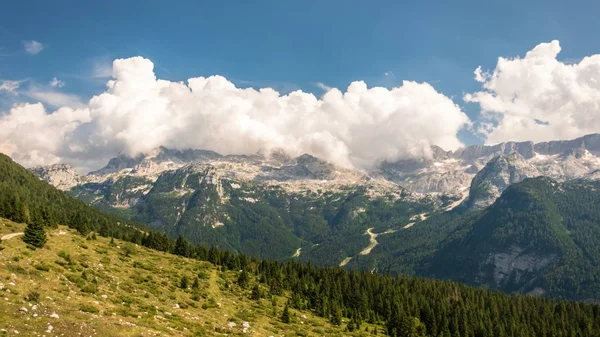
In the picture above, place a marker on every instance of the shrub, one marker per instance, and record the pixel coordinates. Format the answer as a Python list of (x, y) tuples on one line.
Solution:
[(42, 267), (128, 249), (89, 308), (33, 296)]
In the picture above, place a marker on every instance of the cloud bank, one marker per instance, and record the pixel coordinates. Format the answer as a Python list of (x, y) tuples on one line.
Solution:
[(138, 112), (536, 97), (539, 98)]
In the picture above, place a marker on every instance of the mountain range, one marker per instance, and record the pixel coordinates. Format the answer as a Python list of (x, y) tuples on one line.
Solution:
[(451, 215)]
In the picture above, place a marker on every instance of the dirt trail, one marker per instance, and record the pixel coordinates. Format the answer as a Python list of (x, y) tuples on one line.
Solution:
[(10, 236), (372, 244), (345, 261), (373, 240), (415, 219)]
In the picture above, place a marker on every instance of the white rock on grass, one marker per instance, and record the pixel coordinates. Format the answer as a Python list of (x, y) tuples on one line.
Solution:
[(54, 315), (23, 309)]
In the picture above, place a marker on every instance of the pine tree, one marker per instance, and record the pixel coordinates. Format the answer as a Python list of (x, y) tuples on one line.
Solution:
[(336, 316), (256, 295), (184, 282), (196, 284), (243, 279), (35, 233), (285, 315), (182, 247)]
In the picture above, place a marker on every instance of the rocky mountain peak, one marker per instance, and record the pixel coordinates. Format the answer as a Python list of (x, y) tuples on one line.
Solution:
[(120, 162), (497, 174), (61, 176)]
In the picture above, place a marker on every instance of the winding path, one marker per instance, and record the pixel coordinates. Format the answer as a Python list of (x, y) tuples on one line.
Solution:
[(373, 240), (10, 236)]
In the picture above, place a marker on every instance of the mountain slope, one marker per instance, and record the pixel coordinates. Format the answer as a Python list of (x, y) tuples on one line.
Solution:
[(23, 196), (92, 287), (539, 237), (266, 206)]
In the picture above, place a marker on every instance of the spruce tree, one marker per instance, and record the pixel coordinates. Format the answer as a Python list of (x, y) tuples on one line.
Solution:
[(256, 295), (285, 316), (196, 284), (182, 247), (243, 279), (184, 282), (35, 233)]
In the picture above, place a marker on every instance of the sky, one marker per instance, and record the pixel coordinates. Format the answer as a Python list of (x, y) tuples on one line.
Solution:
[(354, 82)]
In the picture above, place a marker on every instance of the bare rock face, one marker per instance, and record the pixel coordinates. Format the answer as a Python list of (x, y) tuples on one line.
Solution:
[(498, 174), (61, 176), (512, 264)]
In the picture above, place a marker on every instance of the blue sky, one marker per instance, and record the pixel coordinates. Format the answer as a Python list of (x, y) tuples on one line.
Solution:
[(289, 45)]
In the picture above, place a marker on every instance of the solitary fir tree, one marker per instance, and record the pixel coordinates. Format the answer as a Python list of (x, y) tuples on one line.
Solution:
[(35, 234), (256, 295), (184, 282), (285, 315)]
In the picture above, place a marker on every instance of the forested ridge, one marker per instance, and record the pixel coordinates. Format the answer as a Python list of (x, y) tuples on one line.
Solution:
[(408, 306), (23, 197)]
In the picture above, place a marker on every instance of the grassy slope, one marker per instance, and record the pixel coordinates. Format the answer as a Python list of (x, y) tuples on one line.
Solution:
[(102, 292)]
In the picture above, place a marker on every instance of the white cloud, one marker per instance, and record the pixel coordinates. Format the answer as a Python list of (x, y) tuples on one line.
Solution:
[(538, 97), (323, 86), (56, 83), (33, 47), (9, 86), (32, 136), (55, 99), (138, 112)]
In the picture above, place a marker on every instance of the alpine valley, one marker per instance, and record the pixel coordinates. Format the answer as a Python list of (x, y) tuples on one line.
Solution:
[(518, 217)]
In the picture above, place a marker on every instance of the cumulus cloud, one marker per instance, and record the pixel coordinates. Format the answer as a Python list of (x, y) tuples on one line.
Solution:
[(538, 97), (56, 83), (9, 86), (138, 112), (32, 136), (33, 47)]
